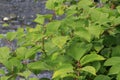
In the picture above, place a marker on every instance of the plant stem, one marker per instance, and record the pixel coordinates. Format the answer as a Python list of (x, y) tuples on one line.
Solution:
[(43, 46), (72, 34), (77, 72), (43, 40)]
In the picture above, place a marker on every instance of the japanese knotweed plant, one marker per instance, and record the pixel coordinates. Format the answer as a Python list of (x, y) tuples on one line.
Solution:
[(84, 45)]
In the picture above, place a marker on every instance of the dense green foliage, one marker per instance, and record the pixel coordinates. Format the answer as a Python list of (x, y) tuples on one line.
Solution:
[(84, 45)]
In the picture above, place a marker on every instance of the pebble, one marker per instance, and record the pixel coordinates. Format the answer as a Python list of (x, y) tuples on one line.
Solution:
[(5, 19)]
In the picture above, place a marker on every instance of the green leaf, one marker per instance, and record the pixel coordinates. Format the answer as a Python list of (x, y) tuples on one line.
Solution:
[(106, 52), (98, 46), (115, 69), (1, 36), (52, 27), (104, 1), (11, 35), (48, 16), (116, 21), (20, 35), (77, 50), (13, 64), (2, 72), (71, 10), (58, 59), (54, 56), (36, 29), (83, 3), (95, 30), (118, 76), (5, 25), (102, 77), (31, 51), (116, 51), (99, 16), (39, 19), (25, 74), (31, 39), (109, 40), (96, 65), (63, 71), (50, 47), (60, 41), (83, 33), (4, 77), (24, 53), (4, 54), (50, 4), (60, 11), (20, 52), (54, 4), (90, 58), (38, 66), (118, 8), (33, 79), (112, 61), (89, 69)]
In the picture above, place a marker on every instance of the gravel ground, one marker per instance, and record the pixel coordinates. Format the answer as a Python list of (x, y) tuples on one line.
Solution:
[(22, 10)]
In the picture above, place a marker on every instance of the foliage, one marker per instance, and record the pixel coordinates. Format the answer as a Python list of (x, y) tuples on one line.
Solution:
[(84, 45)]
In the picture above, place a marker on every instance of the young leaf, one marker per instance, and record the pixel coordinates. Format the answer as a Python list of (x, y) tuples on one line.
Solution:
[(71, 10), (50, 4), (48, 16), (25, 74), (99, 16), (2, 72), (63, 71), (50, 47), (77, 50), (13, 63), (20, 52), (89, 69), (60, 41), (54, 56), (4, 77), (112, 61), (60, 11), (118, 8), (116, 21), (39, 19), (102, 77), (33, 79), (38, 66), (11, 35), (1, 36), (29, 53), (5, 25), (95, 30), (52, 27), (84, 3), (90, 58), (36, 29), (84, 33), (4, 54)]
